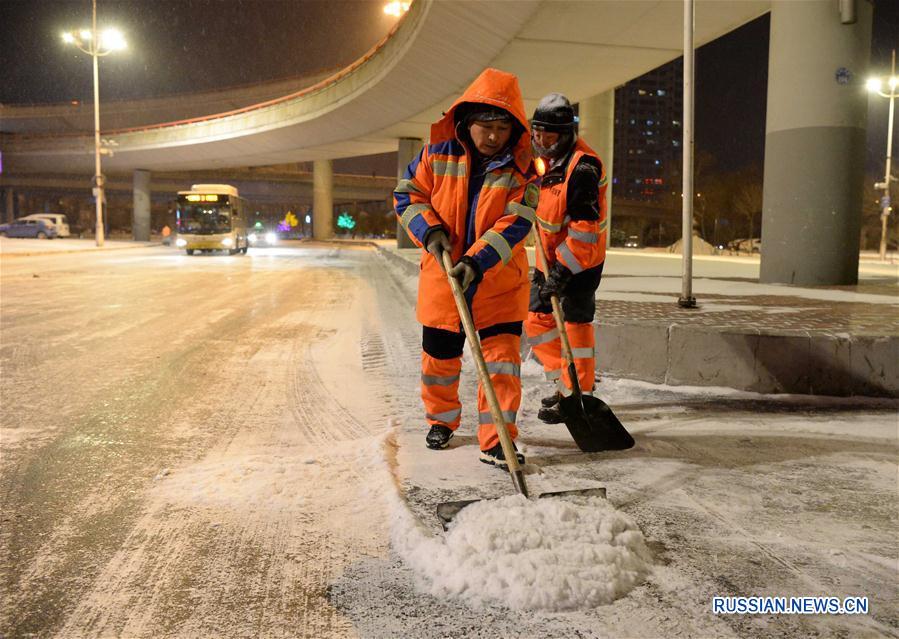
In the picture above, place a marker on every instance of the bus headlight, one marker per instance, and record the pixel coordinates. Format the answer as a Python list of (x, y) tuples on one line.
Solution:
[(228, 242), (270, 238), (252, 237), (181, 242)]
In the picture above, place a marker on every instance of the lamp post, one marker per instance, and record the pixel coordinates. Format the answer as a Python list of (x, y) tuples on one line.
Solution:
[(96, 44), (686, 299), (874, 86)]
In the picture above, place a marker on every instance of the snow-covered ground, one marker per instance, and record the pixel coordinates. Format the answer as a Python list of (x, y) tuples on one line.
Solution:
[(236, 448)]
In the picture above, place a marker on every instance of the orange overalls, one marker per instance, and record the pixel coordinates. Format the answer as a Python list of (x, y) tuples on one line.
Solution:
[(486, 212), (580, 245)]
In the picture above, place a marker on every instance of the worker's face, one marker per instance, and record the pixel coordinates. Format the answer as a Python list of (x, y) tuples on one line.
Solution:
[(490, 137), (544, 139)]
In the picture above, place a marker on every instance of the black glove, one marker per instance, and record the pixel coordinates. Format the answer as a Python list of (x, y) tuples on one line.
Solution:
[(436, 242), (555, 282), (467, 272)]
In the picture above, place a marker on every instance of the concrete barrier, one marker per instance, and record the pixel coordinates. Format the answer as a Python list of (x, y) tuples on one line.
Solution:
[(810, 364)]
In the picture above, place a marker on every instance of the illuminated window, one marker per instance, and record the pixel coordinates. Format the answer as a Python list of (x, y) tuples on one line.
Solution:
[(660, 92)]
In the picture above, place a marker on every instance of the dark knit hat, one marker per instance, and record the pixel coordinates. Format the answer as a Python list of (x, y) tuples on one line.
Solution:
[(486, 113)]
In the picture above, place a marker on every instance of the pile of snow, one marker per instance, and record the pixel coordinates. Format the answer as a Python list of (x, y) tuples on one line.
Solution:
[(700, 247), (550, 554)]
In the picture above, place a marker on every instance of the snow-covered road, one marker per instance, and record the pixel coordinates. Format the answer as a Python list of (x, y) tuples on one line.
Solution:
[(232, 446)]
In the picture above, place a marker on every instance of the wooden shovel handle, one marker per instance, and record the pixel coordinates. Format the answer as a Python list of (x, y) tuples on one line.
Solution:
[(474, 343)]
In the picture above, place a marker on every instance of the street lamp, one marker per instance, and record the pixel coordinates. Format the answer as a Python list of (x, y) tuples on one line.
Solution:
[(96, 44), (396, 8), (874, 86)]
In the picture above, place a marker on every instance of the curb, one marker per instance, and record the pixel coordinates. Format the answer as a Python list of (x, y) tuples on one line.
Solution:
[(406, 266), (682, 355), (95, 249), (812, 364)]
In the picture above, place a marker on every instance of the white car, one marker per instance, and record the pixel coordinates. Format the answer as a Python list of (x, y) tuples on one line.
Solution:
[(58, 220)]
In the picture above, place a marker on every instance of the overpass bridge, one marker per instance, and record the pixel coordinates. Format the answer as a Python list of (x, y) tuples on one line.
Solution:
[(269, 186), (386, 100)]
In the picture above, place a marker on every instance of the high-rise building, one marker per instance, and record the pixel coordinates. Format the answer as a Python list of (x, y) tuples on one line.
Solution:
[(649, 134)]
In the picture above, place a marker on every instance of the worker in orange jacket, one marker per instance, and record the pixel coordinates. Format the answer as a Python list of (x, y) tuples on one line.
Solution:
[(571, 220), (471, 192)]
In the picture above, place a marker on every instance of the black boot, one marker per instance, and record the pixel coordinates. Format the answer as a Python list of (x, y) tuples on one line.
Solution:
[(552, 400), (551, 414), (495, 457), (439, 436)]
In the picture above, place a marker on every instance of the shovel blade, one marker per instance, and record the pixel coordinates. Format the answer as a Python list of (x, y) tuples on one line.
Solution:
[(447, 511), (594, 427)]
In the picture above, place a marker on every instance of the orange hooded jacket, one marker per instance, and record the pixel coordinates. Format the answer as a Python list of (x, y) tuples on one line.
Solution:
[(434, 192)]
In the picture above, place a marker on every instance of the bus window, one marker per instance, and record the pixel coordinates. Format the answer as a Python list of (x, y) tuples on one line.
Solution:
[(203, 218)]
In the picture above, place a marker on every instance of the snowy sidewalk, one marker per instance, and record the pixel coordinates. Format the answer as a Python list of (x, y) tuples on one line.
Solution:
[(23, 247), (766, 338)]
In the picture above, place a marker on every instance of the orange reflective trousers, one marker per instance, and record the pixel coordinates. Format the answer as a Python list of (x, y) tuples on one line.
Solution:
[(441, 365), (543, 337)]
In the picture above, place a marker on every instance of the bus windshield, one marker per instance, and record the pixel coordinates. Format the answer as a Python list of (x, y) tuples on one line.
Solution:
[(203, 218)]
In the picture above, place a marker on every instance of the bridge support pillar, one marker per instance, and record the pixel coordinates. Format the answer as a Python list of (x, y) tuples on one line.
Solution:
[(9, 213), (322, 200), (814, 143), (597, 126), (140, 218), (407, 151)]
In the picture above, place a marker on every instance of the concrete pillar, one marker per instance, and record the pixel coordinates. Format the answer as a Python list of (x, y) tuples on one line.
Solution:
[(597, 127), (814, 143), (10, 210), (407, 150), (322, 200), (140, 218)]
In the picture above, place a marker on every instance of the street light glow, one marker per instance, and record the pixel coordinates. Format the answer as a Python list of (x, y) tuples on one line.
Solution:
[(396, 8), (893, 82), (86, 35), (68, 38), (113, 40), (873, 84)]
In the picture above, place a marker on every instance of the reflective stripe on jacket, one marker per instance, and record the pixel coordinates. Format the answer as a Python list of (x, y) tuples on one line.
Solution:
[(578, 244)]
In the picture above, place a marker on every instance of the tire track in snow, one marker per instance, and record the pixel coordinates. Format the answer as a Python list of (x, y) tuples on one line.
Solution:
[(246, 558)]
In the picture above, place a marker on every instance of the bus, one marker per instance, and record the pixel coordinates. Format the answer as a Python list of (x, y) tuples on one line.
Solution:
[(211, 217)]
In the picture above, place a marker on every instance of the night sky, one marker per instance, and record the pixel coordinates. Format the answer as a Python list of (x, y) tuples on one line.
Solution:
[(731, 87), (179, 46)]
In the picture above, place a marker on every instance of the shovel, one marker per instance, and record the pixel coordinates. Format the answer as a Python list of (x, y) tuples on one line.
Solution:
[(592, 424), (448, 510)]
